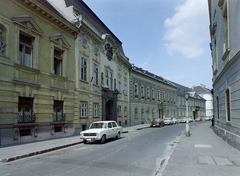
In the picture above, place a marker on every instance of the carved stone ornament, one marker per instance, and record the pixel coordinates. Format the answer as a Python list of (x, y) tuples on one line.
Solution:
[(109, 50), (2, 44)]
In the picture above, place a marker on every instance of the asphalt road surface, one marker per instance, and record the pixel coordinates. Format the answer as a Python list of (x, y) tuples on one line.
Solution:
[(139, 153)]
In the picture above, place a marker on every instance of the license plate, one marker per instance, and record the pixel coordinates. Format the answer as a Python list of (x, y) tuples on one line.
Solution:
[(90, 139)]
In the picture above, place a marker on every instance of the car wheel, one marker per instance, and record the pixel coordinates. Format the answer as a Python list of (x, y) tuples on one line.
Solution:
[(84, 141), (118, 135), (103, 139)]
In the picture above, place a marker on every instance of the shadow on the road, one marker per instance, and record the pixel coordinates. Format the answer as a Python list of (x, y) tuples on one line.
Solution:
[(107, 141)]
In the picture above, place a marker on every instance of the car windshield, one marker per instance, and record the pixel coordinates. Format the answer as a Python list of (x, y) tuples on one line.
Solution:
[(98, 125), (167, 119), (156, 120)]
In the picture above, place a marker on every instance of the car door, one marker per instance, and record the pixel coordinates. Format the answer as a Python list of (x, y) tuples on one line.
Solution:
[(115, 129), (110, 130)]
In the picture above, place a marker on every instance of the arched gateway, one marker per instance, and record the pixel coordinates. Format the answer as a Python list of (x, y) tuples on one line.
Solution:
[(109, 104)]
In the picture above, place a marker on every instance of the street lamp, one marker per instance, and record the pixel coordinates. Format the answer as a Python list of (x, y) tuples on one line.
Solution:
[(187, 122)]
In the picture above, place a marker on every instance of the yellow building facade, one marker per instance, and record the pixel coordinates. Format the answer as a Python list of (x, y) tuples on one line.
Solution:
[(37, 81), (61, 69)]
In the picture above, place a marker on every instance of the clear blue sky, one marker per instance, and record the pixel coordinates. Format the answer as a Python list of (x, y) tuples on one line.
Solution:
[(169, 38)]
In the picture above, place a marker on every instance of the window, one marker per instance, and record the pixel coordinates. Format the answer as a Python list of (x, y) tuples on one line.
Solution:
[(158, 95), (136, 113), (225, 27), (217, 107), (57, 62), (228, 105), (119, 111), (25, 110), (106, 78), (119, 84), (96, 110), (136, 91), (125, 111), (84, 109), (110, 125), (125, 87), (142, 92), (148, 93), (83, 69), (153, 96), (111, 81), (58, 111), (25, 50), (95, 74)]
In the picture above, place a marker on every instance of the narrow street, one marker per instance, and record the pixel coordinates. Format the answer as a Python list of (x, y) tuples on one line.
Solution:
[(138, 153)]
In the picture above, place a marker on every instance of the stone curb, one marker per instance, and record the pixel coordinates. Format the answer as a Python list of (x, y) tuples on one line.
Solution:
[(38, 152)]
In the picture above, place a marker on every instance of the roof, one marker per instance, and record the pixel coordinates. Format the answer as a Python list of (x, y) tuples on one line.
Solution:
[(90, 16), (152, 76), (201, 89)]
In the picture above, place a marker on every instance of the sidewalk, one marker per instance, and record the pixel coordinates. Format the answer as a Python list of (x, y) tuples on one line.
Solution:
[(13, 152), (204, 153)]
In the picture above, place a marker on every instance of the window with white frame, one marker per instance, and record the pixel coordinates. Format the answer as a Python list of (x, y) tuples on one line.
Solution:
[(95, 74), (83, 69), (25, 50), (84, 109), (96, 110)]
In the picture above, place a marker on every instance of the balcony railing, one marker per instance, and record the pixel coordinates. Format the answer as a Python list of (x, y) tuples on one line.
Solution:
[(59, 118), (30, 118)]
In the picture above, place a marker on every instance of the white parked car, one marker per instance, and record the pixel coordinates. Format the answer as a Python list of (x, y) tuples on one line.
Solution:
[(175, 121), (183, 120), (168, 121), (100, 131)]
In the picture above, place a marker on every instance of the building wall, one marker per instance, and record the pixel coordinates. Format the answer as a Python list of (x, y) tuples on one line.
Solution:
[(224, 21), (158, 105), (38, 80)]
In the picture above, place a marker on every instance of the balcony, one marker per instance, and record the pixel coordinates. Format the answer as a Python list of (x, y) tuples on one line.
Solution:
[(26, 118), (59, 118)]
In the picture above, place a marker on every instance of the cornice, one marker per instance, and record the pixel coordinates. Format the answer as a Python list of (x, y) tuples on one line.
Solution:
[(45, 12)]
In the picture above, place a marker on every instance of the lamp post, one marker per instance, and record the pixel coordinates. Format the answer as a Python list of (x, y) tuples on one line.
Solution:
[(187, 122)]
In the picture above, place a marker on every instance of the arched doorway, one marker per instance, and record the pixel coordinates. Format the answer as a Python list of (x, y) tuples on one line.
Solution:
[(109, 110)]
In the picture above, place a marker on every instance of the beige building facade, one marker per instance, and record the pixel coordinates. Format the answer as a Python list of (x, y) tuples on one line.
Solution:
[(37, 79)]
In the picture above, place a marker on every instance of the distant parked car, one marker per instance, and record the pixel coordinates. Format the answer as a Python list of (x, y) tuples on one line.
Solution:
[(207, 118), (175, 121), (157, 122), (198, 119), (183, 120), (168, 121), (100, 131), (190, 119)]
